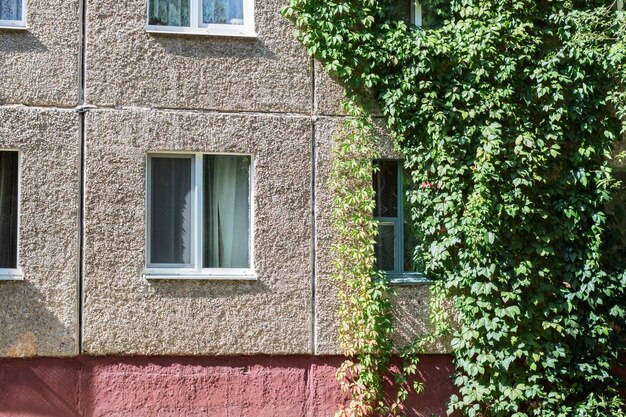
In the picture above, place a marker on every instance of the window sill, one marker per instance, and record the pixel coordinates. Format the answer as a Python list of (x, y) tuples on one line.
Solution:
[(408, 278), (4, 26), (11, 275), (214, 276), (174, 30)]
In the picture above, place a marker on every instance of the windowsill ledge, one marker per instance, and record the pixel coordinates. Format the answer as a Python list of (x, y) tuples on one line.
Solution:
[(11, 275), (174, 30), (201, 277), (11, 27), (408, 278)]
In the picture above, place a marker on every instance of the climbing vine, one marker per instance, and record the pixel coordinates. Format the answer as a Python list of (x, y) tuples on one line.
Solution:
[(366, 322), (509, 111)]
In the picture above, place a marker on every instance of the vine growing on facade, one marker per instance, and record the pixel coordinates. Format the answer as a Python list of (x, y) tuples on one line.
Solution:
[(509, 111)]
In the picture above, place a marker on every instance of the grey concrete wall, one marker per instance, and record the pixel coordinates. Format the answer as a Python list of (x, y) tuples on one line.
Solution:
[(40, 314), (39, 66), (214, 94), (129, 67), (126, 314)]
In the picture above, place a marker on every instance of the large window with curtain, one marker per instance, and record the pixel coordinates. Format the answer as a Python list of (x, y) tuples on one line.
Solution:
[(9, 161), (210, 17), (12, 13), (199, 216)]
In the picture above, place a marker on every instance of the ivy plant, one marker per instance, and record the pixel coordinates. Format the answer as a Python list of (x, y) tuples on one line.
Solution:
[(506, 114)]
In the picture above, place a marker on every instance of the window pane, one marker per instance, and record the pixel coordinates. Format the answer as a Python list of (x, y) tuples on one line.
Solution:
[(8, 209), (385, 247), (226, 214), (222, 11), (11, 10), (386, 188), (410, 242), (169, 12), (614, 249), (170, 211)]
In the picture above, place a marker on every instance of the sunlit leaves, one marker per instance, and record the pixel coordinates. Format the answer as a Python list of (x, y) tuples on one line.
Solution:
[(507, 111)]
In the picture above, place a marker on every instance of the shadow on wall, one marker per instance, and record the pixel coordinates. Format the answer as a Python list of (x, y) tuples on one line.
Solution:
[(196, 47), (20, 41), (411, 310), (434, 371), (209, 289), (39, 387), (27, 327)]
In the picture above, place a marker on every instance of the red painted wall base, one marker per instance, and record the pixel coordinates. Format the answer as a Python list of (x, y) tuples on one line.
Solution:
[(244, 386)]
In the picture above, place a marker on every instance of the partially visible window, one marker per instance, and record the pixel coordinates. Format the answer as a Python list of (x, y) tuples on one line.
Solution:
[(209, 17), (416, 13), (199, 216), (395, 242), (429, 16), (12, 13), (9, 162), (614, 239)]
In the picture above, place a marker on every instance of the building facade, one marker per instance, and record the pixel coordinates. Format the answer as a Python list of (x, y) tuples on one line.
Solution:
[(165, 244)]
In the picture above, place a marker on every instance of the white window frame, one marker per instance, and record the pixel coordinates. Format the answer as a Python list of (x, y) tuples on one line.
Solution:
[(15, 274), (416, 13), (16, 24), (195, 269), (213, 29), (399, 276)]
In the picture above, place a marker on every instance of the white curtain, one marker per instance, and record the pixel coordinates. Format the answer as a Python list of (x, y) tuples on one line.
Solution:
[(8, 209), (10, 9), (169, 12), (226, 211), (222, 11), (170, 211)]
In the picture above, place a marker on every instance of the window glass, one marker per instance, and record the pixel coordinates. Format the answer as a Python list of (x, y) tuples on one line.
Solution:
[(170, 211), (8, 209), (396, 238), (410, 242), (199, 213), (614, 239), (11, 10), (202, 17), (386, 186), (226, 216), (222, 12), (168, 12), (385, 247)]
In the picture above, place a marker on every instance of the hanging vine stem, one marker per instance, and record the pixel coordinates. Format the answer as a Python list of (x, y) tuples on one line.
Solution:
[(509, 111)]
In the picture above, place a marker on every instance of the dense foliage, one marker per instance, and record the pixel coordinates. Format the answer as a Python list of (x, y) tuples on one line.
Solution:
[(506, 113)]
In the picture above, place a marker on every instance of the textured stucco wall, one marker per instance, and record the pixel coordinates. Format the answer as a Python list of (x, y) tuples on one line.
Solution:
[(125, 314), (39, 66), (157, 92), (39, 315), (127, 66)]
